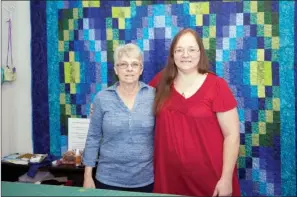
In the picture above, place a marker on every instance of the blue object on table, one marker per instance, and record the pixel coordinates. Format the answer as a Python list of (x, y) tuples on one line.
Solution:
[(33, 167)]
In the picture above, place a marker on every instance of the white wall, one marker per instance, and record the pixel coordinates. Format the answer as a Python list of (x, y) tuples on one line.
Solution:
[(16, 108)]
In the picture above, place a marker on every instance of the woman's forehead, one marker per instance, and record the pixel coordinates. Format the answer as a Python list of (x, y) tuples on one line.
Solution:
[(125, 58), (186, 40)]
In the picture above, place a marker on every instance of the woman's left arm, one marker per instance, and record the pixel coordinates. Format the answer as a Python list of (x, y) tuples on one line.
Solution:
[(229, 123)]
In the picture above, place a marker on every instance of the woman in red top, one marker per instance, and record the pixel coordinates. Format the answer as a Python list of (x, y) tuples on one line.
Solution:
[(197, 126)]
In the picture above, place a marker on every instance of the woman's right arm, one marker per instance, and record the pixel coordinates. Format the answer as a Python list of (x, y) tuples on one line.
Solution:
[(92, 142), (88, 178)]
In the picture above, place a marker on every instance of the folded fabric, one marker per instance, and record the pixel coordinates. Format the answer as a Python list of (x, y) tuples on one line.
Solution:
[(39, 176)]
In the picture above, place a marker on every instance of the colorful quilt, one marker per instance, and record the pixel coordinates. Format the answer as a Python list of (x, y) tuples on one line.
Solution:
[(252, 44)]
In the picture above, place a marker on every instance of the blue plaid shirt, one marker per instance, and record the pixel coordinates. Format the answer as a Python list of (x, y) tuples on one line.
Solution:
[(123, 138)]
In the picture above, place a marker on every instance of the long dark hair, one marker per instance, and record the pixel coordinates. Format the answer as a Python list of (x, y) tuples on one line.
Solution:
[(170, 71)]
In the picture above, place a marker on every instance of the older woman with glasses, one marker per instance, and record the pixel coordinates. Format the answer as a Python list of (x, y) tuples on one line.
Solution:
[(122, 129)]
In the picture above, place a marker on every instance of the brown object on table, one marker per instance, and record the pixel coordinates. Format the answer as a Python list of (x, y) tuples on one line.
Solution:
[(72, 157), (69, 157), (25, 156)]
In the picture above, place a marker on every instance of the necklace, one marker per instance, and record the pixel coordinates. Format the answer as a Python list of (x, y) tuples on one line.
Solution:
[(183, 93)]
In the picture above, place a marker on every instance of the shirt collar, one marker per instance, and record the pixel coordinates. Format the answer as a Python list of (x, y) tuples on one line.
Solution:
[(142, 85)]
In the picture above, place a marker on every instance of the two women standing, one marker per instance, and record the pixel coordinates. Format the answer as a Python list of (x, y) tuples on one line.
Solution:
[(191, 120)]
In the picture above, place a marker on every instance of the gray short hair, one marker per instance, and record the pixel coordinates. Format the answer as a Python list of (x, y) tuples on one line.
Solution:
[(131, 50)]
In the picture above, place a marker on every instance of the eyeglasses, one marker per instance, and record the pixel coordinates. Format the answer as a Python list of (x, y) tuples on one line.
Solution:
[(193, 52), (125, 65)]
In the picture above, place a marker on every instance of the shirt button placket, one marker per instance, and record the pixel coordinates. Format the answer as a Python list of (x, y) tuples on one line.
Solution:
[(130, 125), (130, 122)]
